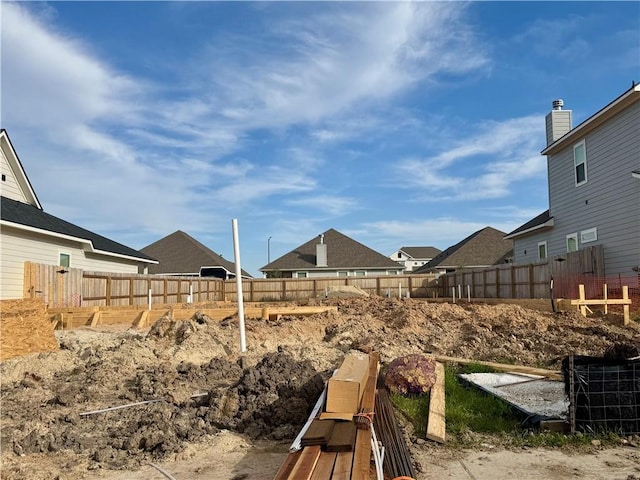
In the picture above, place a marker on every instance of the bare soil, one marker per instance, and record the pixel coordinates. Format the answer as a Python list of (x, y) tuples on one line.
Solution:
[(213, 412)]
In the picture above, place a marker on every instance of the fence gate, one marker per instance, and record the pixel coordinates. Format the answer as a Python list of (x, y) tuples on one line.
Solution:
[(57, 286)]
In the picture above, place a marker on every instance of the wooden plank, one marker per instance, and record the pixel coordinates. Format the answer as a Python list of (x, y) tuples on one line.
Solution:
[(346, 388), (609, 301), (318, 433), (343, 437), (324, 467), (436, 424), (625, 297), (303, 469), (342, 467), (142, 319), (95, 318), (288, 465), (336, 416), (362, 449), (503, 367), (362, 455)]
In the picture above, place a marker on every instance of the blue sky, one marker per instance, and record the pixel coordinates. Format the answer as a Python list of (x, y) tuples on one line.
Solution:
[(398, 124)]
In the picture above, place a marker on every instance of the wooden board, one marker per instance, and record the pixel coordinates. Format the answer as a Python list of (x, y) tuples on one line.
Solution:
[(362, 455), (287, 466), (324, 467), (346, 387), (336, 416), (502, 367), (318, 433), (25, 328), (436, 424), (343, 437), (342, 467), (303, 469)]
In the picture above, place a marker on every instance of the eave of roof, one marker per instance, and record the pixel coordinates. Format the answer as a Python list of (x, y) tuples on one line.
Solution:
[(28, 217), (623, 101), (541, 222)]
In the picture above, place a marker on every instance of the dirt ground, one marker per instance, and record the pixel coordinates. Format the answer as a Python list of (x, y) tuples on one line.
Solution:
[(210, 412)]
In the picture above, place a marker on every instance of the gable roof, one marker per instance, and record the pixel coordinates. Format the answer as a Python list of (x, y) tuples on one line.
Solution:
[(342, 253), (180, 253), (629, 97), (16, 166), (29, 217), (482, 248), (421, 252), (541, 222)]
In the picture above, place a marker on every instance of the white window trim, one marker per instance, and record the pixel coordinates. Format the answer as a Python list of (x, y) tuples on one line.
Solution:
[(575, 173), (575, 237), (346, 273), (589, 235), (356, 272), (60, 252), (306, 274), (546, 252)]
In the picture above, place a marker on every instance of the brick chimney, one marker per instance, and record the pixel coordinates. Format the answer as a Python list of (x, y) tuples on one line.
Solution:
[(558, 122)]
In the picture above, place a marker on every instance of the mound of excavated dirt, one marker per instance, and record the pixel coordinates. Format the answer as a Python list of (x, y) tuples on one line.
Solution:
[(195, 381)]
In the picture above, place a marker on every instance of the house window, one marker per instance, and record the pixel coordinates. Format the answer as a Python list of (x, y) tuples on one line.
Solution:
[(399, 254), (589, 235), (302, 274), (343, 274), (542, 250), (572, 243), (65, 260), (359, 273), (580, 163)]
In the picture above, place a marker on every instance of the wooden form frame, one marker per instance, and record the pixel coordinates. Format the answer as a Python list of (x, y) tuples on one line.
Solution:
[(582, 303)]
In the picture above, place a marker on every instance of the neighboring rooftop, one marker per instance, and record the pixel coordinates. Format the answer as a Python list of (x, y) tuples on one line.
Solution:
[(342, 252), (179, 253), (543, 220), (482, 248)]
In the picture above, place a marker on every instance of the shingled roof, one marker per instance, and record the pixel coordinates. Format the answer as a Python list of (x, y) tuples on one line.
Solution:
[(480, 249), (179, 253), (31, 216), (342, 253)]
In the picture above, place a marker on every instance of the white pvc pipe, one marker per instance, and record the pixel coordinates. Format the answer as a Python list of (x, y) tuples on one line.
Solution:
[(149, 299), (469, 293), (459, 291), (453, 289), (399, 290), (236, 249)]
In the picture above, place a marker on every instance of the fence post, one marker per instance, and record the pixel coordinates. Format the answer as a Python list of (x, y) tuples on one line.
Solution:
[(484, 283), (513, 282), (131, 291), (497, 283), (108, 292), (284, 289), (532, 290), (165, 285)]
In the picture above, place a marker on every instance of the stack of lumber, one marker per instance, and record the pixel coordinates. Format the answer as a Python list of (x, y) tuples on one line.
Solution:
[(25, 328), (337, 443)]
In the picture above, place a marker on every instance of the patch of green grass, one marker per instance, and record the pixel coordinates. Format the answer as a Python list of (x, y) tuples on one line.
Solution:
[(415, 408), (470, 409)]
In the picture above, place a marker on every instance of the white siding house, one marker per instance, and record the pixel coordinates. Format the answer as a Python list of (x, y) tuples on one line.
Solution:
[(594, 189), (27, 233)]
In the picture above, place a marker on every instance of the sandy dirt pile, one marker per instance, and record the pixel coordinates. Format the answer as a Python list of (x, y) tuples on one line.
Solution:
[(196, 382)]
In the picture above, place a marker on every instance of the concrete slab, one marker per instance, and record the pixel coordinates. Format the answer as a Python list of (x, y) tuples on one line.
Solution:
[(530, 394)]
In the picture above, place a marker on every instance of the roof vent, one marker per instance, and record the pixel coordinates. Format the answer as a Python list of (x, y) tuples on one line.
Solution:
[(558, 104)]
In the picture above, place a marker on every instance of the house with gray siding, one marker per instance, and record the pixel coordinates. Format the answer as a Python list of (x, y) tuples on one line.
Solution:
[(594, 188)]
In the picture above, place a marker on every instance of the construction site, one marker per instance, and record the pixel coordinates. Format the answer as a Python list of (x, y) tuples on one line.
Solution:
[(107, 393)]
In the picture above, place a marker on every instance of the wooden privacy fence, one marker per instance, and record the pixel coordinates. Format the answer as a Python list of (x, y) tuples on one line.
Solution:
[(72, 287), (524, 281)]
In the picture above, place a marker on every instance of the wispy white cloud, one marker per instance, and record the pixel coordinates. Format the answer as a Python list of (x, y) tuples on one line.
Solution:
[(479, 166), (333, 205)]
